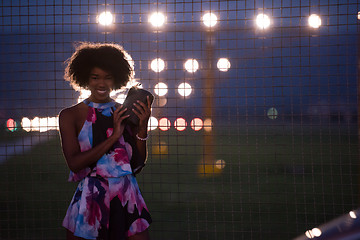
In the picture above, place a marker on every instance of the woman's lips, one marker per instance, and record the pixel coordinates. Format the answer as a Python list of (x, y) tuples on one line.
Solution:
[(101, 91)]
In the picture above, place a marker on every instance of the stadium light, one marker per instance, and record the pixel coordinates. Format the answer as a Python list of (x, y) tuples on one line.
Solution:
[(105, 18), (262, 21), (314, 21), (157, 19), (161, 89), (191, 65), (164, 124), (153, 123), (180, 124), (209, 19), (197, 124), (223, 64), (184, 89), (157, 65)]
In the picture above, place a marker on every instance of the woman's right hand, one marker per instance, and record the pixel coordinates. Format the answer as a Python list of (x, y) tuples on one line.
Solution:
[(119, 117)]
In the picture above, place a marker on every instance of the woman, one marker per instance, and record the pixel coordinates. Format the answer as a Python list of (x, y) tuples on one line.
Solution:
[(101, 150)]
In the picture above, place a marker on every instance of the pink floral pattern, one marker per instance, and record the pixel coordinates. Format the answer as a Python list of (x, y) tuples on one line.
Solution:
[(111, 178)]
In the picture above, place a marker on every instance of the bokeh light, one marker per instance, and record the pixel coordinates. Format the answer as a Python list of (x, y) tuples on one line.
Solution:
[(208, 125), (314, 21), (11, 125), (191, 65), (220, 164), (164, 124), (157, 65), (180, 124), (105, 18), (272, 113), (197, 124), (157, 19), (161, 89), (352, 214), (223, 64), (262, 21), (161, 148), (184, 89), (209, 19), (153, 123), (317, 232)]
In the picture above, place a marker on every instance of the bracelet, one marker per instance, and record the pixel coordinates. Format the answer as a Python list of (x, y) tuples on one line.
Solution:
[(142, 139)]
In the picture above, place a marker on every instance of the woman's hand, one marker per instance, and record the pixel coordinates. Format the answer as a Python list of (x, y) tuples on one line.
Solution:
[(143, 111), (119, 117)]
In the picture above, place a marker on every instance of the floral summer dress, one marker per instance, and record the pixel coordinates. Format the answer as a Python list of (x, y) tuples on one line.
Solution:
[(107, 203)]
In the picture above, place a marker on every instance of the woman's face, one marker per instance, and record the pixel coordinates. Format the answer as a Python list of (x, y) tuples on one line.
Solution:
[(101, 84)]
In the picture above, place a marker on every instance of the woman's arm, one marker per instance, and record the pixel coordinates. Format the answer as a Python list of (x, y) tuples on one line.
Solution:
[(143, 111), (75, 159)]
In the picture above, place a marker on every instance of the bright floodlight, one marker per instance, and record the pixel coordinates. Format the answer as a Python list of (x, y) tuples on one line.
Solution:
[(262, 21), (105, 18), (197, 124), (223, 64), (157, 65), (161, 89), (164, 124), (184, 89), (180, 124), (314, 21), (157, 19), (153, 123), (191, 65), (209, 19)]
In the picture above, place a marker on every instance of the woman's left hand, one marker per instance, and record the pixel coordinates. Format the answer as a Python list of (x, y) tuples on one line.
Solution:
[(143, 111)]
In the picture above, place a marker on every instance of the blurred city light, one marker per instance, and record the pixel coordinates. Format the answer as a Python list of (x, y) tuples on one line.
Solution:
[(220, 164), (208, 125), (317, 232), (352, 214), (262, 21), (157, 65), (184, 89), (157, 19), (105, 18), (272, 113), (161, 89), (180, 124), (223, 64), (11, 125), (314, 21), (191, 65), (153, 123), (164, 124), (40, 124), (197, 124), (209, 19)]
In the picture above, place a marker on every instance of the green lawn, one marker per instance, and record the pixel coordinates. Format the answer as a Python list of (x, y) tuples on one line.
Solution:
[(276, 184)]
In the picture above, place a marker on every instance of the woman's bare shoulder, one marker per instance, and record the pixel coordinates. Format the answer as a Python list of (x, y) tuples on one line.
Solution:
[(73, 111)]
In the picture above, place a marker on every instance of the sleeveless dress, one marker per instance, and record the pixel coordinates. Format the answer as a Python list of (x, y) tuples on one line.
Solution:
[(107, 203)]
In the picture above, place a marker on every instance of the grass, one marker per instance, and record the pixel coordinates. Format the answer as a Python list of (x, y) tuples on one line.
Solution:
[(276, 184)]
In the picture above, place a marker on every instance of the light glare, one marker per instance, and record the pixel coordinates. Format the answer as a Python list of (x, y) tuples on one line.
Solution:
[(262, 21), (161, 89), (105, 18), (184, 89), (180, 124), (209, 19), (191, 65), (164, 124), (157, 19), (197, 124), (314, 21), (223, 64), (157, 65), (153, 123)]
